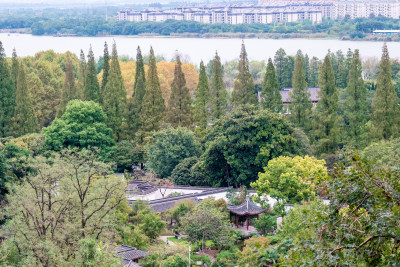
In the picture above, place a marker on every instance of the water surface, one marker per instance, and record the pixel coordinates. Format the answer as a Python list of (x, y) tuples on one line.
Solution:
[(193, 49)]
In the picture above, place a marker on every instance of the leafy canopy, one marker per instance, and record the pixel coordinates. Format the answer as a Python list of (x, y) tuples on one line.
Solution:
[(240, 144), (291, 179), (82, 125), (170, 146)]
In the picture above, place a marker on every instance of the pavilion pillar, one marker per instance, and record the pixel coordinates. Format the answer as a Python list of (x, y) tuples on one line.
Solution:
[(247, 222), (236, 221)]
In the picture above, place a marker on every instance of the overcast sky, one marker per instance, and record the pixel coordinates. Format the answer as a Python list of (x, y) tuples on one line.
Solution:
[(108, 1), (96, 1)]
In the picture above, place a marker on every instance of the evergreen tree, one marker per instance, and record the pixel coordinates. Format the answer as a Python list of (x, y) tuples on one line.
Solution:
[(289, 69), (114, 102), (139, 90), (201, 112), (307, 69), (243, 90), (14, 67), (315, 65), (271, 98), (301, 103), (348, 61), (179, 111), (343, 70), (81, 76), (153, 105), (69, 89), (284, 67), (7, 95), (356, 105), (106, 68), (385, 108), (334, 62), (25, 120), (326, 119), (92, 87), (219, 95)]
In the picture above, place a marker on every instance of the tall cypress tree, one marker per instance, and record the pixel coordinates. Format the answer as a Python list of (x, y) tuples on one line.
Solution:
[(82, 76), (25, 120), (179, 111), (139, 90), (106, 68), (201, 111), (7, 95), (271, 98), (243, 89), (326, 119), (306, 67), (153, 105), (92, 87), (114, 102), (356, 104), (14, 67), (301, 103), (385, 110), (219, 95), (284, 68), (69, 89), (315, 65)]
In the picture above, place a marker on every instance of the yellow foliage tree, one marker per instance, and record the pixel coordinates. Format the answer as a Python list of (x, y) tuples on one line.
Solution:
[(291, 179), (165, 75), (252, 251)]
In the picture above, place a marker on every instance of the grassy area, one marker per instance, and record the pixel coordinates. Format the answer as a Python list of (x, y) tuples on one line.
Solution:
[(166, 232), (178, 241)]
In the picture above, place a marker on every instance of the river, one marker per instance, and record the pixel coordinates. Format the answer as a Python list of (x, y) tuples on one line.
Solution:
[(193, 49)]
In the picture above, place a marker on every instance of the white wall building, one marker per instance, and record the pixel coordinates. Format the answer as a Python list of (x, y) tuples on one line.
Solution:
[(339, 9), (230, 14)]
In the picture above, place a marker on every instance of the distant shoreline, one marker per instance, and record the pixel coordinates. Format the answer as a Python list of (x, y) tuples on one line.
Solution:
[(265, 36)]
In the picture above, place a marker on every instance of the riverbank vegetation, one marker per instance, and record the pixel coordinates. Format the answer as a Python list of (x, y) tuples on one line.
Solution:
[(69, 123), (93, 24)]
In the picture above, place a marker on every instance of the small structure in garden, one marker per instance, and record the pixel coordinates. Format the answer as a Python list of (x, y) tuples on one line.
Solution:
[(246, 211), (130, 255)]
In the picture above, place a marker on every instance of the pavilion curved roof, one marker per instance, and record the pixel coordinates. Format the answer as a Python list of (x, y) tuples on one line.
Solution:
[(247, 208)]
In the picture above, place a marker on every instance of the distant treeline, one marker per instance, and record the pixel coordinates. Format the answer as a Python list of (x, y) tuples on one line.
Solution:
[(92, 25)]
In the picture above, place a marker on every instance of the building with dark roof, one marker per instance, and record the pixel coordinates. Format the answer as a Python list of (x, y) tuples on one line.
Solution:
[(246, 210), (130, 256), (140, 187), (286, 100)]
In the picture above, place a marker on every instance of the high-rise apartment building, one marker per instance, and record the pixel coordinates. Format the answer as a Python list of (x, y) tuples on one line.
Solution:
[(339, 9)]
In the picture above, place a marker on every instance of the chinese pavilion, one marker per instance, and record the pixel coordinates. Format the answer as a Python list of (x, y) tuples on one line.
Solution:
[(246, 210)]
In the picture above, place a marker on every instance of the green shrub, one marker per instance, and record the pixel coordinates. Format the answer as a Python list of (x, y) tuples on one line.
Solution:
[(203, 258)]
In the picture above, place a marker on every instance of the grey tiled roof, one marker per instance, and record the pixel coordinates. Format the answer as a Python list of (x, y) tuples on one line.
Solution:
[(314, 91), (130, 253), (139, 187), (247, 208), (164, 204), (168, 204)]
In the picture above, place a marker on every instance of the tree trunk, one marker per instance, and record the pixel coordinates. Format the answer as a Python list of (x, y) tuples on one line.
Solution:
[(202, 243)]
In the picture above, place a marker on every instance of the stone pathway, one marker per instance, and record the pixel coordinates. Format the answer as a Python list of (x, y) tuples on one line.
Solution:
[(165, 239)]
